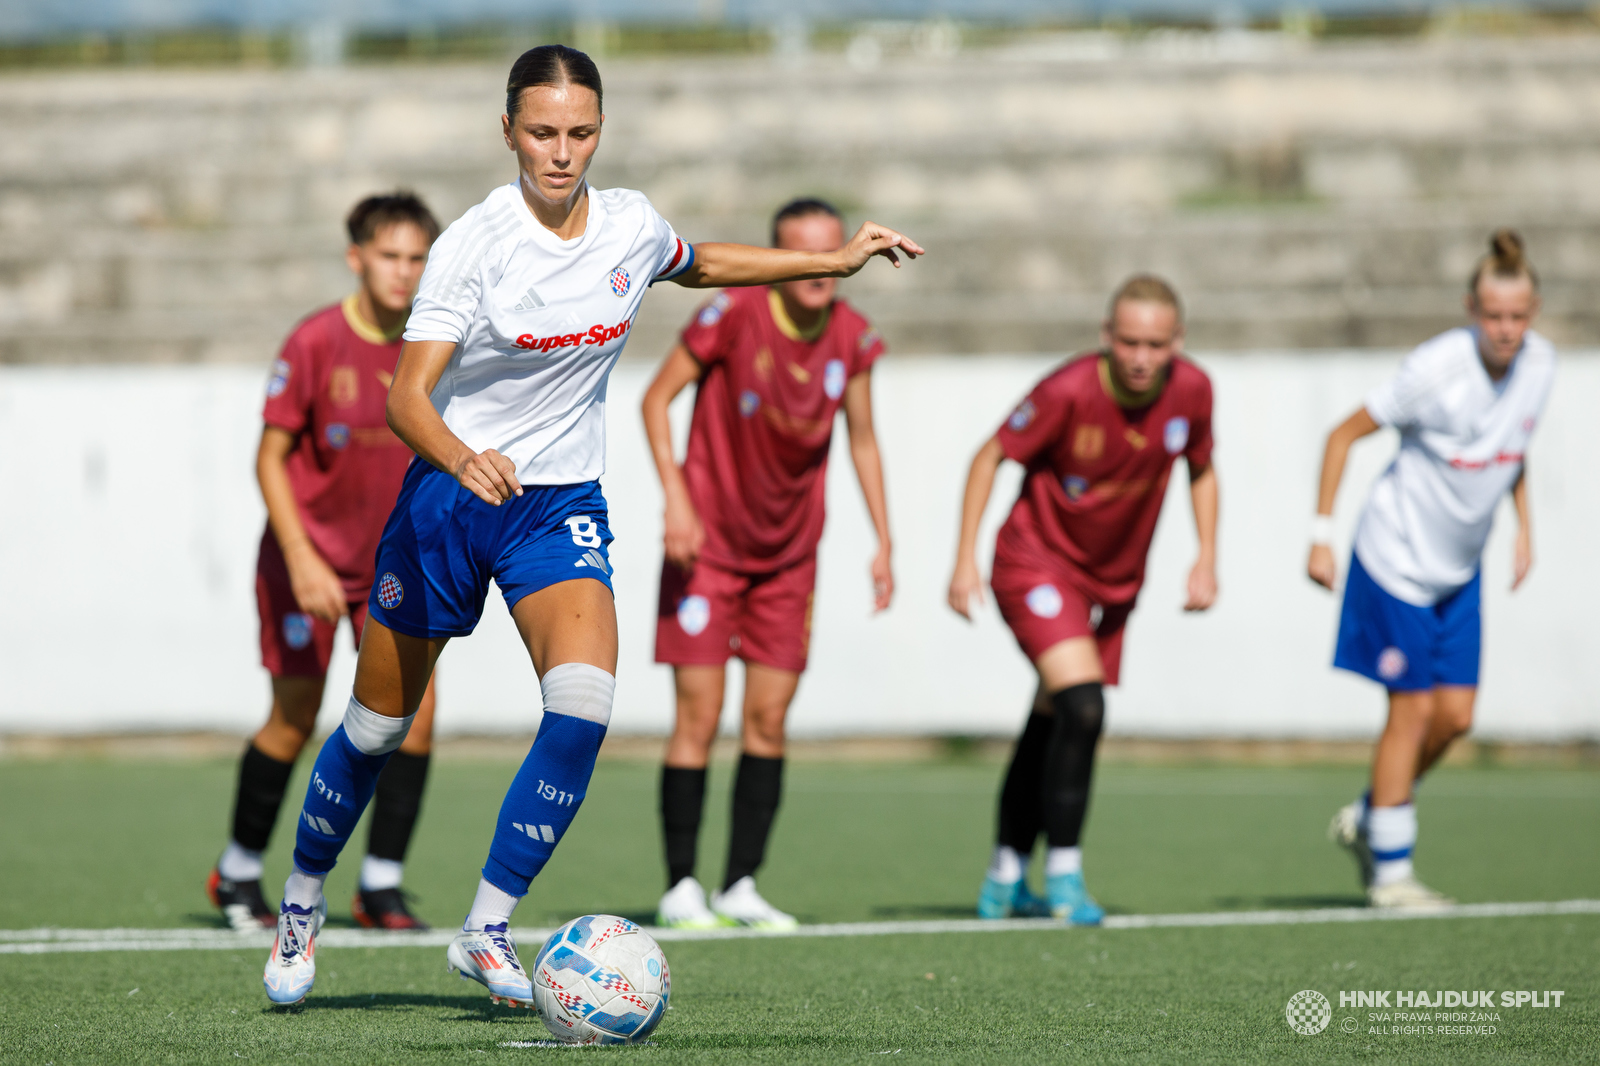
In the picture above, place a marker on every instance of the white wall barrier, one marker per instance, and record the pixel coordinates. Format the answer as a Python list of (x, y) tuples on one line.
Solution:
[(127, 560)]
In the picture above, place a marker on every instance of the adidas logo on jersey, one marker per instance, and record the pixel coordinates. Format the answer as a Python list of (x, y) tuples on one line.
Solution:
[(593, 335), (530, 302), (593, 558)]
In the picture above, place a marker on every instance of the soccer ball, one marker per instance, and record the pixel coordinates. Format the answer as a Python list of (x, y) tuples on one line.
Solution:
[(601, 979)]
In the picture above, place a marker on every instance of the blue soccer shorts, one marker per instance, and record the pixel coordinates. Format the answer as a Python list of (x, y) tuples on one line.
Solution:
[(442, 545), (1404, 647)]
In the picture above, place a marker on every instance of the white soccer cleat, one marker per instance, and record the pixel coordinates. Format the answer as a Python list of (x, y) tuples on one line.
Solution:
[(1407, 894), (489, 957), (741, 904), (684, 907), (292, 966), (1347, 831)]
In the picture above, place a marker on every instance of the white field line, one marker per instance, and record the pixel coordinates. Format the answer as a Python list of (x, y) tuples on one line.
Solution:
[(54, 941)]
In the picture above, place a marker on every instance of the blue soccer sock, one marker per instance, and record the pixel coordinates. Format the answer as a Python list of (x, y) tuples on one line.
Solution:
[(342, 781), (549, 788)]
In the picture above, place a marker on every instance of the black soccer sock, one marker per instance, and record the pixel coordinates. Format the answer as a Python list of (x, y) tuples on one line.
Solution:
[(1080, 710), (756, 791), (683, 796), (396, 804), (1021, 818), (262, 781)]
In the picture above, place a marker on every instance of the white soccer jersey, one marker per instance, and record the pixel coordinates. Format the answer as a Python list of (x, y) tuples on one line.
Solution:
[(538, 323), (1462, 441)]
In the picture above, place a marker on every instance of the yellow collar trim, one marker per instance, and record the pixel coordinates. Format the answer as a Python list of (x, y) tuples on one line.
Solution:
[(785, 324), (364, 329), (1122, 397)]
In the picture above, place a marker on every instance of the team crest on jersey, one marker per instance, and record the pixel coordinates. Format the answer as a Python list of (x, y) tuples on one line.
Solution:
[(1022, 417), (620, 282), (1392, 663), (867, 339), (749, 403), (344, 386), (711, 313), (1044, 601), (279, 379), (337, 434), (1176, 435), (694, 614), (1074, 486), (390, 592), (833, 378)]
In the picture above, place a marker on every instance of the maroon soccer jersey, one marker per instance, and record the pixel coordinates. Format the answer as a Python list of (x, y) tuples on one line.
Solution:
[(328, 387), (763, 418), (1097, 469)]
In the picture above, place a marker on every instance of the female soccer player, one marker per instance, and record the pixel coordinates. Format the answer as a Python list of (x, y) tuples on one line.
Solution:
[(743, 517), (1098, 437), (1465, 404), (330, 470), (524, 307)]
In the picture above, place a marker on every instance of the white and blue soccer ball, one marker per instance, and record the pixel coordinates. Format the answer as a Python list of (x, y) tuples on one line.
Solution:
[(601, 979)]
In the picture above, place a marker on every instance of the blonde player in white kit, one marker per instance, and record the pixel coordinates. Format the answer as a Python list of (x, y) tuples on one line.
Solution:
[(523, 309), (1465, 403)]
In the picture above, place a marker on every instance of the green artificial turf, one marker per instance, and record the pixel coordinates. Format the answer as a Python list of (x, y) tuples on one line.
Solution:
[(100, 844)]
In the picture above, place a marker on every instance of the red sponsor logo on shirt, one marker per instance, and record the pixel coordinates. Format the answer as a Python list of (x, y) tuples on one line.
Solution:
[(1483, 464), (592, 335)]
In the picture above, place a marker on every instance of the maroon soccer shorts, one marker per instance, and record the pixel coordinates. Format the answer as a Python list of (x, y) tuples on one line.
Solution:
[(1043, 607), (708, 614), (293, 644)]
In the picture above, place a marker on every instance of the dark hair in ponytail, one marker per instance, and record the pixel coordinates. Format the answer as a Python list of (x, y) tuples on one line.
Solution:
[(1507, 258), (550, 64)]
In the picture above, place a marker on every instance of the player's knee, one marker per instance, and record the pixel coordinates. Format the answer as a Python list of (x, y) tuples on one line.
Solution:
[(764, 720), (1456, 719)]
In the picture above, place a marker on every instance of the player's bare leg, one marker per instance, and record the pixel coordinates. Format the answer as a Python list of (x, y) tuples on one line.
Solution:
[(293, 717), (1452, 718), (757, 790), (1391, 820), (699, 690)]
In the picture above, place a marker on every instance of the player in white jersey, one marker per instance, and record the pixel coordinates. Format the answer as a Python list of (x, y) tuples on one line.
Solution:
[(500, 390), (1465, 403)]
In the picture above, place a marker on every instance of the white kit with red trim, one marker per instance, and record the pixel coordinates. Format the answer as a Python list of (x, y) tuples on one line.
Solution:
[(538, 323)]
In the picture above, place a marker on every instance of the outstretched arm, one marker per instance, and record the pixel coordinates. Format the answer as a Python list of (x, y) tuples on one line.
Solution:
[(1202, 591), (682, 534), (488, 474), (966, 582), (1522, 554), (719, 266), (1320, 566), (869, 471)]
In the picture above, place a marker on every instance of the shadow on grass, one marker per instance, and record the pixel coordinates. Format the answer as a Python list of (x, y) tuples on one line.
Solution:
[(1289, 903), (470, 1007), (925, 910)]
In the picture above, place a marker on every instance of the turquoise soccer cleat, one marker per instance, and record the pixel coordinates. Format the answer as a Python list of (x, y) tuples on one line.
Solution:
[(1024, 904), (1070, 900), (994, 899)]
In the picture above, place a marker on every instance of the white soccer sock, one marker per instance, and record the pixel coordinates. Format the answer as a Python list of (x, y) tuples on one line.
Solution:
[(1391, 834), (239, 863), (378, 874), (1058, 861), (1008, 866), (303, 889), (371, 732), (490, 907)]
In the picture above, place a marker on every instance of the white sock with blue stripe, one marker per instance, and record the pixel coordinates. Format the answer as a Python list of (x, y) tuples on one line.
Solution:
[(1391, 834)]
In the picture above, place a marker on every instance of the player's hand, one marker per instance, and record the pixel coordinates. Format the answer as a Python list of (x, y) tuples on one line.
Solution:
[(965, 583), (490, 476), (1202, 592), (682, 535), (1320, 566), (882, 581), (872, 239), (1521, 559), (317, 589)]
